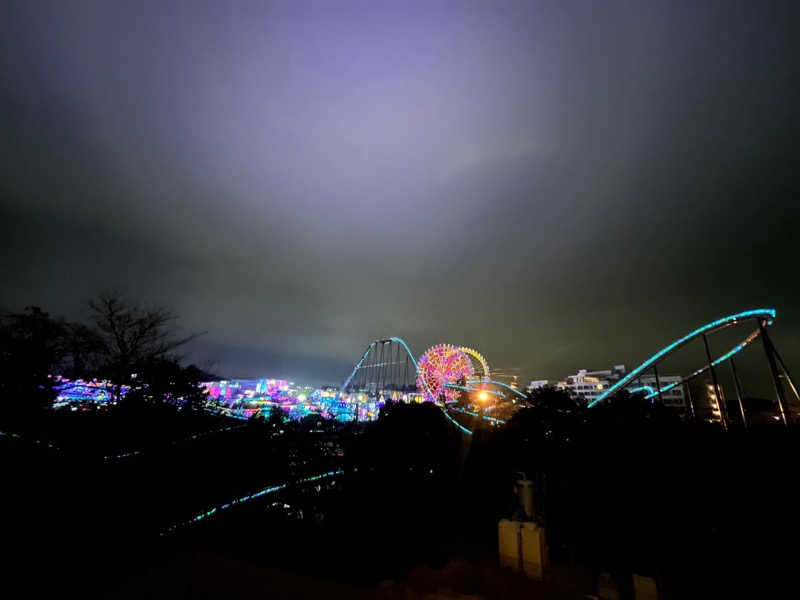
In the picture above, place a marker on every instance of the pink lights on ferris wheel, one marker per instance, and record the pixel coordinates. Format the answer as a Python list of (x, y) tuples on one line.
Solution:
[(441, 365)]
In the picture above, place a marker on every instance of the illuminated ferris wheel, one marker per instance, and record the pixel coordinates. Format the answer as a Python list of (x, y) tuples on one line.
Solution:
[(481, 361), (441, 365)]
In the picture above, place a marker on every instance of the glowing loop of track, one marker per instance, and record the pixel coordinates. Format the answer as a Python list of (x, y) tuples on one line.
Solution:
[(366, 353), (438, 373), (766, 315)]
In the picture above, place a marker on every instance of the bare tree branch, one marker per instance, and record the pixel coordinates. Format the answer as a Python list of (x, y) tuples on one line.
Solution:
[(132, 336)]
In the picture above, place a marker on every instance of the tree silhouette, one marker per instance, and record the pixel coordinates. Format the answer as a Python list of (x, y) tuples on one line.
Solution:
[(551, 418), (130, 338), (32, 346), (164, 380)]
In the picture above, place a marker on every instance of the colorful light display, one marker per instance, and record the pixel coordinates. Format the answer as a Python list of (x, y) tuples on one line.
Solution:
[(481, 360), (79, 390), (243, 399), (441, 365)]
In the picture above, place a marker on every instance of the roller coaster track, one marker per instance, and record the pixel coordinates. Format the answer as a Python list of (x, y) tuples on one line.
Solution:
[(362, 364), (499, 384), (764, 316), (381, 364), (470, 387)]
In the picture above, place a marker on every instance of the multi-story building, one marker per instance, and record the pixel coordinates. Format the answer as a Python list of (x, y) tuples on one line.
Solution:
[(536, 384), (588, 385), (674, 397), (704, 399)]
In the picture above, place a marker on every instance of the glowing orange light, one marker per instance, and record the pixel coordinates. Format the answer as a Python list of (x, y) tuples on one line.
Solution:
[(483, 396)]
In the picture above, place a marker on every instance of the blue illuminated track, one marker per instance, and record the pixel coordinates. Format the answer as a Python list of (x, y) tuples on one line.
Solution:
[(262, 492), (366, 353), (498, 383), (705, 368), (410, 354), (474, 414), (645, 388), (455, 386), (456, 423), (766, 314), (473, 382)]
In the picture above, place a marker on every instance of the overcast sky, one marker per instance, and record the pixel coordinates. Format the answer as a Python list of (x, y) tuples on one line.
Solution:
[(558, 184)]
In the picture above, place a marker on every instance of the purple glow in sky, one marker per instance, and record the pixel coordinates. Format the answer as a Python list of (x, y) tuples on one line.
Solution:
[(559, 184)]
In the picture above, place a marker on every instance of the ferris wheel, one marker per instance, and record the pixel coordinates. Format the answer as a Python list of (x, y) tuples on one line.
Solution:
[(481, 361), (441, 365)]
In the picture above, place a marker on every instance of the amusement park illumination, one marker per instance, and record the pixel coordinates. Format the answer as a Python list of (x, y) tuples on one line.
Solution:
[(243, 399), (366, 353), (439, 366), (480, 358), (467, 388), (767, 314), (499, 384), (440, 373)]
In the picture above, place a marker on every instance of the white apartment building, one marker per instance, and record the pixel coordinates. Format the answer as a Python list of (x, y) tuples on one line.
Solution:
[(674, 397), (536, 384), (588, 385)]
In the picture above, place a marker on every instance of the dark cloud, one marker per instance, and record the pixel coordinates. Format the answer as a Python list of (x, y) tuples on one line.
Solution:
[(559, 184)]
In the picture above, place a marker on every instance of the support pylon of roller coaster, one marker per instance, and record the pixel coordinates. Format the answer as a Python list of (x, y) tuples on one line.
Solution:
[(764, 318)]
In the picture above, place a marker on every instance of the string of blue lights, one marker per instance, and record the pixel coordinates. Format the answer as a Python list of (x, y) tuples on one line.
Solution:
[(705, 368), (768, 314), (497, 383), (474, 414), (249, 497), (456, 423)]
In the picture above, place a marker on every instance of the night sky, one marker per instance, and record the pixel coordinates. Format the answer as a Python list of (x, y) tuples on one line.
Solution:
[(558, 184)]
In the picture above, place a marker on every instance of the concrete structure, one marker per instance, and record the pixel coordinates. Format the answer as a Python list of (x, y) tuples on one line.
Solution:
[(533, 550), (508, 536), (588, 385), (525, 495), (522, 547), (536, 384), (644, 588)]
